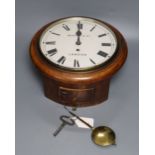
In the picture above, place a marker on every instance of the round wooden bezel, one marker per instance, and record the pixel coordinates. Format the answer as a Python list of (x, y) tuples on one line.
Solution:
[(81, 79)]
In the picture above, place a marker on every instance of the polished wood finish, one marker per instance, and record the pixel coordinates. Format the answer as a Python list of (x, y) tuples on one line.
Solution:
[(77, 89), (76, 95)]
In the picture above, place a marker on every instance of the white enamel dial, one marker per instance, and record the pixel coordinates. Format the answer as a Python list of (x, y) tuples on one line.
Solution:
[(78, 43)]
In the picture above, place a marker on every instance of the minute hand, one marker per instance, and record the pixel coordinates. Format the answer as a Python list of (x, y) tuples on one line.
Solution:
[(78, 33)]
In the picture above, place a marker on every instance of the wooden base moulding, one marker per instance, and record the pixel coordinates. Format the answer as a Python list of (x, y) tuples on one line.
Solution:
[(76, 95)]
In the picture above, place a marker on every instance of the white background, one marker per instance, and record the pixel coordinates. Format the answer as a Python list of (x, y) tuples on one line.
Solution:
[(147, 77), (38, 117), (7, 78)]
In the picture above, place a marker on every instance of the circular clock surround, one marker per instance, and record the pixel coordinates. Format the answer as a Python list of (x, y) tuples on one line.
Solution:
[(83, 87), (58, 43)]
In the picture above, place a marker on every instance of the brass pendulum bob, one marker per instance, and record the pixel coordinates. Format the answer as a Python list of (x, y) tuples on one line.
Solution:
[(101, 135)]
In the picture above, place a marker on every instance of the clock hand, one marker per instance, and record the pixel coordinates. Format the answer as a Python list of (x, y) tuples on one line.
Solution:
[(78, 33), (78, 42)]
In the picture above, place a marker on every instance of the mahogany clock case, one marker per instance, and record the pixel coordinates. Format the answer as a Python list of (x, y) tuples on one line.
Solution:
[(37, 117), (78, 89)]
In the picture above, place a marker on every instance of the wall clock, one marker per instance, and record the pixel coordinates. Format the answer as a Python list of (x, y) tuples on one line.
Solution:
[(77, 56)]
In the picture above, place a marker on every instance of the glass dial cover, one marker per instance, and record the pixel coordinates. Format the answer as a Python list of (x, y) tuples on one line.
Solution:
[(78, 43)]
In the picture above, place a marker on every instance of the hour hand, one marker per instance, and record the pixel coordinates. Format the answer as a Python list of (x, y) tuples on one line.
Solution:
[(78, 42), (78, 33)]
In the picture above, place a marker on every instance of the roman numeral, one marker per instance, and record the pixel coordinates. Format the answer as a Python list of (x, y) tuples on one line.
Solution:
[(106, 44), (66, 27), (61, 60), (79, 25), (76, 63), (50, 42), (102, 35), (55, 33), (52, 52), (92, 61), (92, 28), (101, 53)]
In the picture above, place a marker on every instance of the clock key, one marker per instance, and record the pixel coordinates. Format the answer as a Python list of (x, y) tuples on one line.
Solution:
[(66, 120)]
